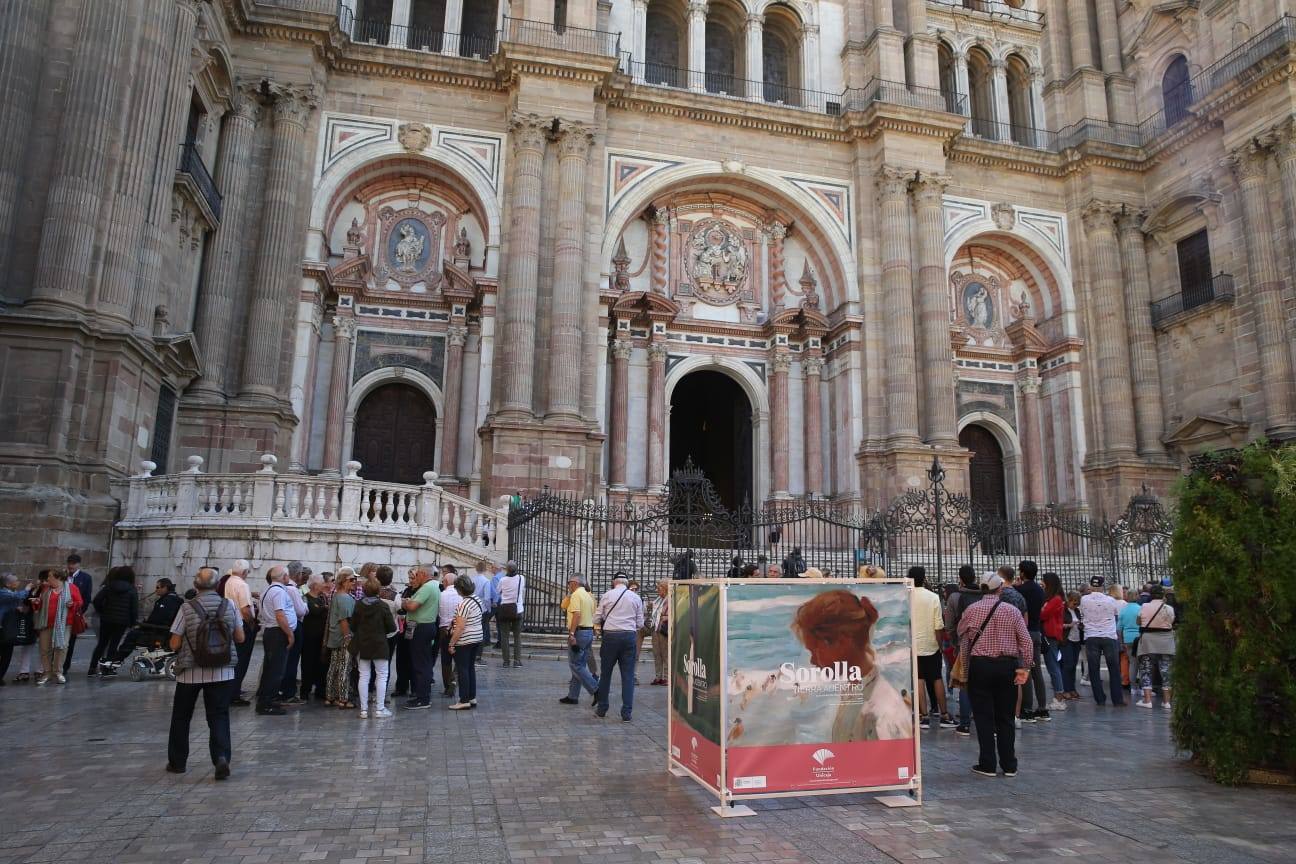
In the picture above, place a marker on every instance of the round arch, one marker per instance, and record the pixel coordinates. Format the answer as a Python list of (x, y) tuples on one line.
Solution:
[(757, 396), (1010, 444), (392, 375), (831, 243)]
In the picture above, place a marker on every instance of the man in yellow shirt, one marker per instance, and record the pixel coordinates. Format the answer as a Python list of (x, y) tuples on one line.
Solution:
[(580, 638)]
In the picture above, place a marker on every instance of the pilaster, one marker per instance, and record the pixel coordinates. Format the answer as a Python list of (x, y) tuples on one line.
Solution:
[(618, 434), (1148, 413), (456, 336), (933, 304), (1115, 394), (344, 329), (565, 336)]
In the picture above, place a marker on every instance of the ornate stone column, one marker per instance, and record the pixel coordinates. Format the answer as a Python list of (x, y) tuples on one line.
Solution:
[(779, 363), (810, 56), (697, 10), (339, 388), (1115, 395), (1078, 26), (456, 335), (1109, 42), (660, 247), (73, 206), (1267, 286), (453, 27), (756, 56), (619, 432), (1148, 415), (565, 336), (656, 414), (934, 311), (22, 32), (883, 14), (812, 366), (220, 280), (897, 305), (778, 276), (961, 82), (1037, 107), (639, 35), (1003, 114), (518, 299), (1032, 450), (280, 252)]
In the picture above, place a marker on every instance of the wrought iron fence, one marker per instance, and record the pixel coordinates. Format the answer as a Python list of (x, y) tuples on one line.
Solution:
[(689, 530)]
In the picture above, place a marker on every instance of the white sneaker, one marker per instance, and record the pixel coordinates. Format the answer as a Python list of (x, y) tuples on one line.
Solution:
[(1143, 703), (60, 678), (1057, 705), (472, 702), (460, 706), (41, 682), (382, 712), (1166, 705), (364, 715), (1016, 722)]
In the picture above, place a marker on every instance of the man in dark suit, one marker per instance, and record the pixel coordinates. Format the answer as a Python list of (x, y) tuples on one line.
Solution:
[(85, 584)]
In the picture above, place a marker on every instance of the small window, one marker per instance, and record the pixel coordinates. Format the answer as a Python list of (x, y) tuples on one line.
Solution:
[(1195, 269), (163, 421), (1176, 91)]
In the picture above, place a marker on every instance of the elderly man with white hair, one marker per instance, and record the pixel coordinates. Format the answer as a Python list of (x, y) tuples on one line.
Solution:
[(237, 591), (281, 608), (580, 638), (620, 614)]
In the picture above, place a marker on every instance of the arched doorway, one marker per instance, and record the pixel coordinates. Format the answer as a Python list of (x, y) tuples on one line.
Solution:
[(711, 424), (395, 435), (986, 473)]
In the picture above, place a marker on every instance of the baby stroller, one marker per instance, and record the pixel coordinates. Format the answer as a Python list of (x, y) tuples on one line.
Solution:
[(147, 652)]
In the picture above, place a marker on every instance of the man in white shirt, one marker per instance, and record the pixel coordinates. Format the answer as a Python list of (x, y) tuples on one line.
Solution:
[(236, 591), (450, 600), (278, 620), (928, 628), (620, 614), (1098, 611)]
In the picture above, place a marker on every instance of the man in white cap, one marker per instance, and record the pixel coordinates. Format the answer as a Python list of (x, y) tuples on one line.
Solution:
[(1099, 611), (993, 635)]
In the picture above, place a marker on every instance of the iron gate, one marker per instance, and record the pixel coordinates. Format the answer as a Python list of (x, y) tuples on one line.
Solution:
[(553, 536)]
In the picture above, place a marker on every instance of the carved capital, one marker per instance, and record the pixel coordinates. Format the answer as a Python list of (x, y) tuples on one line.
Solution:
[(755, 21), (245, 102), (1249, 162), (929, 189), (456, 335), (697, 8), (893, 182), (777, 231), (810, 31), (1283, 138), (293, 102), (780, 361), (528, 131), (1029, 385), (1131, 219), (662, 216), (621, 349), (813, 365), (344, 328), (1099, 215), (574, 141), (657, 352)]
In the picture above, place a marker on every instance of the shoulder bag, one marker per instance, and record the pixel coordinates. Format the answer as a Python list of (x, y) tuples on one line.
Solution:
[(963, 665), (1149, 628), (509, 611)]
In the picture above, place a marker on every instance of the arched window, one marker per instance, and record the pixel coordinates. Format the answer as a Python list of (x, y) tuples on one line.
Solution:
[(725, 47), (1176, 90), (981, 93), (1021, 115), (781, 55), (948, 77), (426, 25), (373, 21), (663, 40)]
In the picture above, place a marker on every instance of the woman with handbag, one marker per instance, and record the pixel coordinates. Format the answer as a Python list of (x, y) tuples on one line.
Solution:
[(371, 623), (338, 690), (58, 617), (1156, 645), (13, 603), (659, 621)]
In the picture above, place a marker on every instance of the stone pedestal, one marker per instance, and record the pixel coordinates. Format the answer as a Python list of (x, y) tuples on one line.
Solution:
[(529, 455), (891, 471)]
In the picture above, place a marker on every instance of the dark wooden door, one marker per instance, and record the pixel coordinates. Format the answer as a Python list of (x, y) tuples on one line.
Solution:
[(986, 473), (395, 434)]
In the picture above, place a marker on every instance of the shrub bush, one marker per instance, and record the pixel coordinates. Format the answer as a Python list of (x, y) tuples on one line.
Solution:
[(1234, 564)]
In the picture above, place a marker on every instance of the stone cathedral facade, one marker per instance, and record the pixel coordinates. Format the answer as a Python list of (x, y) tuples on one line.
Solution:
[(803, 244)]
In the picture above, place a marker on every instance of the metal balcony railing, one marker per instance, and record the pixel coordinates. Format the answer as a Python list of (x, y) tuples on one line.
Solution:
[(1090, 129), (731, 87), (899, 93), (191, 163), (993, 8), (1013, 133), (578, 40), (432, 40), (1218, 287)]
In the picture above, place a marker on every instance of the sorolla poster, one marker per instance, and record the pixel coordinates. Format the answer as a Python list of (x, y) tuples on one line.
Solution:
[(695, 680), (820, 687)]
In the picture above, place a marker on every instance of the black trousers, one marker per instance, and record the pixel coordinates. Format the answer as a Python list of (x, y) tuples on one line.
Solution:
[(423, 651), (447, 660), (216, 702), (288, 687), (993, 693), (314, 666), (404, 664), (110, 636), (67, 655), (244, 651), (275, 643), (6, 656)]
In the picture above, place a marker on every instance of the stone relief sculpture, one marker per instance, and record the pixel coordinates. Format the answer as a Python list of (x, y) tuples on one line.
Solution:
[(718, 261), (462, 247), (977, 302), (355, 233), (409, 248)]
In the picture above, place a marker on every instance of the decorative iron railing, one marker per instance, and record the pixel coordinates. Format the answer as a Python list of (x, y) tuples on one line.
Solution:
[(993, 8), (900, 93), (1013, 133), (1218, 287), (578, 40), (428, 39), (191, 163), (657, 74)]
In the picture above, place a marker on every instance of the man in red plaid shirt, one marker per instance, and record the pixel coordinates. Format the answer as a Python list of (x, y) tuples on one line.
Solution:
[(999, 650)]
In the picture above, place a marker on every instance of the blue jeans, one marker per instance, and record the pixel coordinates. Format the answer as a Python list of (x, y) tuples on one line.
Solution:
[(618, 649), (1052, 665), (965, 707), (578, 659), (1108, 649), (1070, 658)]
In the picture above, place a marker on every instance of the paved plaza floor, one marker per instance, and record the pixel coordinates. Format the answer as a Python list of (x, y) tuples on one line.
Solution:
[(525, 779)]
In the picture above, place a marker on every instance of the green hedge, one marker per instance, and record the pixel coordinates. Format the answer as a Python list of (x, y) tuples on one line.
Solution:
[(1234, 562)]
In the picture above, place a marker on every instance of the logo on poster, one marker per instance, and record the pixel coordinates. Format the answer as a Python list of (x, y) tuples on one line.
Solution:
[(823, 771), (822, 756), (693, 742)]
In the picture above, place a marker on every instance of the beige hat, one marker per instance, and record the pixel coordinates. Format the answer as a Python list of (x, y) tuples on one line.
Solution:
[(812, 573), (992, 581)]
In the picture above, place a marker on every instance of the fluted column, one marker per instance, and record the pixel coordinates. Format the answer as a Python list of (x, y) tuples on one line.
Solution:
[(697, 10), (1267, 285), (1149, 420), (280, 249), (339, 388), (897, 305), (639, 39), (518, 300), (810, 57), (780, 361), (756, 55), (76, 190), (452, 28), (1032, 450), (656, 414), (220, 276), (961, 82), (883, 14), (398, 32), (999, 85), (618, 433), (934, 311), (569, 253), (916, 12), (812, 365), (1109, 43), (456, 335), (22, 32), (1115, 395), (1078, 25)]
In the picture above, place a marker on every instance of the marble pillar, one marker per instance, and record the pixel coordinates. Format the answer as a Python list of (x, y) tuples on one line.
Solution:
[(1149, 420), (934, 312), (639, 39), (660, 247), (656, 414), (619, 433), (518, 297), (1078, 25), (338, 393), (220, 276), (569, 253), (22, 31), (456, 336), (810, 58), (1267, 284), (779, 363), (778, 276), (697, 11), (65, 259), (1109, 43), (961, 83), (1037, 108), (452, 29), (812, 366), (897, 305), (277, 275), (1032, 450), (756, 56), (999, 87), (398, 32), (1111, 336)]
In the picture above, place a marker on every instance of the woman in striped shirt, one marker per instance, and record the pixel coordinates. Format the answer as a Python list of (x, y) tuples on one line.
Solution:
[(466, 642)]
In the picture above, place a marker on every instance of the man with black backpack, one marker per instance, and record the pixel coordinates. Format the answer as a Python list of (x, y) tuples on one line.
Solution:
[(204, 635)]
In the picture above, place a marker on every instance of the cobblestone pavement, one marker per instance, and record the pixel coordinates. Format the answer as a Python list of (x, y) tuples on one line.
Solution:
[(525, 779)]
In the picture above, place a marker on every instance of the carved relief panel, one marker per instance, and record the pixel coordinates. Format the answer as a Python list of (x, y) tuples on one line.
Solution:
[(410, 247)]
